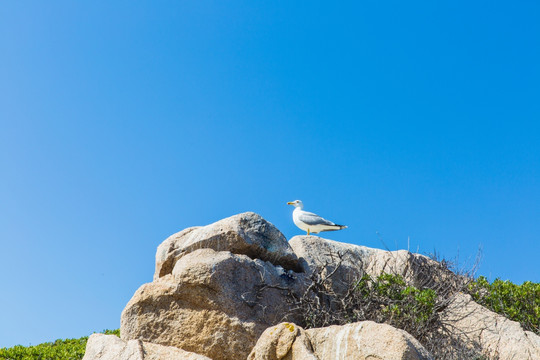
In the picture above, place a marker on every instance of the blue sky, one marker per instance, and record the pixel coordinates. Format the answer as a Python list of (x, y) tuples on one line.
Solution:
[(122, 123)]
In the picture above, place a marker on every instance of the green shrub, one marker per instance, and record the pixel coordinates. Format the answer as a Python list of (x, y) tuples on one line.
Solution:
[(68, 349), (385, 299), (391, 301), (416, 307), (520, 303)]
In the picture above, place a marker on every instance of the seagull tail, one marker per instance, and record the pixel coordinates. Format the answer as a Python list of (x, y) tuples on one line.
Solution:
[(336, 227)]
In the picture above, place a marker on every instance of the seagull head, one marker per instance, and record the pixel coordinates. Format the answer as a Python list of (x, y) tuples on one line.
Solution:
[(296, 203)]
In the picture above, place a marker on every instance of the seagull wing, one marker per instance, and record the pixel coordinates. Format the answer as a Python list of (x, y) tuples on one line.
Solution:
[(312, 219)]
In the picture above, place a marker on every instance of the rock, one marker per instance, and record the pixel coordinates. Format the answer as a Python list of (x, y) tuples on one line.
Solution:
[(358, 341), (283, 341), (247, 233), (365, 340), (315, 252), (214, 303), (169, 251), (496, 336), (111, 347), (354, 261), (534, 339)]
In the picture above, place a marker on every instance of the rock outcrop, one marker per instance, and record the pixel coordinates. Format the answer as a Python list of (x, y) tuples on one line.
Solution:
[(247, 233), (214, 303), (227, 291), (353, 261), (211, 301)]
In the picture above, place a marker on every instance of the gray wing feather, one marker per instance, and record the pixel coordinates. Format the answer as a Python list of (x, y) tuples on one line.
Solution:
[(313, 219)]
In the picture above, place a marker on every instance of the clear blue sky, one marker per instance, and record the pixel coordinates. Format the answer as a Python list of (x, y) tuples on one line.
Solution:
[(125, 122)]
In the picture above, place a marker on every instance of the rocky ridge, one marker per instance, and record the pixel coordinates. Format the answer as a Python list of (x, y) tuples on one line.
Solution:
[(224, 291)]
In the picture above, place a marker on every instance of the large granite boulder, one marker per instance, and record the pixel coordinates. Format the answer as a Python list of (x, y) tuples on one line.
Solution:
[(364, 340), (247, 233), (214, 303), (349, 262)]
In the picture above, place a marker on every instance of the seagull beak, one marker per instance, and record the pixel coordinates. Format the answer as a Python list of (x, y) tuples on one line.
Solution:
[(290, 203)]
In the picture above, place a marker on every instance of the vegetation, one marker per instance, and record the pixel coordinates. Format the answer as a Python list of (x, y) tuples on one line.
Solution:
[(416, 308), (68, 349), (520, 303), (395, 303), (386, 299)]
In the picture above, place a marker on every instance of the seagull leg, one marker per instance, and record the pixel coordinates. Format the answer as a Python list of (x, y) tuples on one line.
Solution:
[(308, 231)]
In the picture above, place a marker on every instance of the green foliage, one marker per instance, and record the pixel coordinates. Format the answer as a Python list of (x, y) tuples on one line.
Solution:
[(520, 303), (385, 299), (416, 308), (390, 300), (68, 349)]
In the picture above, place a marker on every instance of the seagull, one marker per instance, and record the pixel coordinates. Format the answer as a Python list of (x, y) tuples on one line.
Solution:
[(310, 222)]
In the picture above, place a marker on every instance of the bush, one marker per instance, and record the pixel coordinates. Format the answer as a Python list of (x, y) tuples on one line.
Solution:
[(389, 299), (68, 349), (520, 303)]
